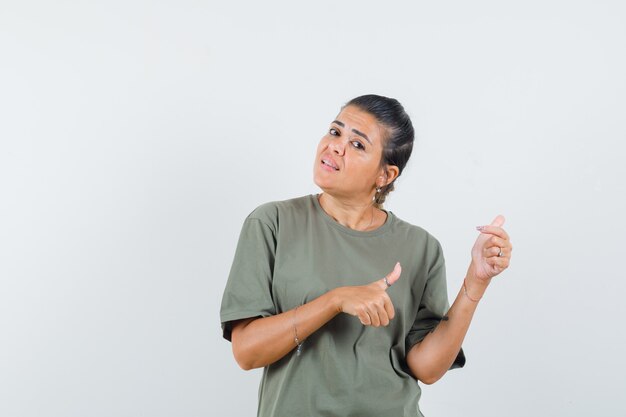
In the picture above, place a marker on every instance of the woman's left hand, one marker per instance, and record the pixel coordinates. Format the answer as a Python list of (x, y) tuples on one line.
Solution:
[(491, 253)]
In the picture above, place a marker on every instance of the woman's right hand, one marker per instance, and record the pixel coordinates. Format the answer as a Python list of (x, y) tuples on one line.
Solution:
[(370, 303)]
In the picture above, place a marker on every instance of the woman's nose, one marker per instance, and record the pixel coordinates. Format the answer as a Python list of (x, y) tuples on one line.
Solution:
[(338, 146)]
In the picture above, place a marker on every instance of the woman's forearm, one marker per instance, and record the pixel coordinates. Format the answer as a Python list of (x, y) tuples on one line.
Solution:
[(432, 357), (259, 342), (262, 341)]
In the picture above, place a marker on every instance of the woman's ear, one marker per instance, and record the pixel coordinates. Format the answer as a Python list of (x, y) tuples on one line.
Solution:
[(391, 173)]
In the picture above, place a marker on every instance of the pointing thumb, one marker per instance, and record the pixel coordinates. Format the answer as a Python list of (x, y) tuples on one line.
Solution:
[(392, 277), (498, 221)]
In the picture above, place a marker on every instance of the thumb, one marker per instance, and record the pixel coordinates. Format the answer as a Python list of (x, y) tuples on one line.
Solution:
[(392, 277), (498, 221)]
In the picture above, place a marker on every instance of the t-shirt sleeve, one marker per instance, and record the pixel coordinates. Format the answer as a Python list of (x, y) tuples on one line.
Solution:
[(248, 291), (433, 306)]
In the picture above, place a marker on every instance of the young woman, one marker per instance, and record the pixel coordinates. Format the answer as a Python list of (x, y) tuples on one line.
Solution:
[(341, 302)]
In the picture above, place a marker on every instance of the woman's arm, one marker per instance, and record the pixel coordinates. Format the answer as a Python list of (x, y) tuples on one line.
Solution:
[(432, 357), (258, 342)]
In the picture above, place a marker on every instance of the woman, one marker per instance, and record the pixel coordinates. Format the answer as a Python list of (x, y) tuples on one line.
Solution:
[(343, 303)]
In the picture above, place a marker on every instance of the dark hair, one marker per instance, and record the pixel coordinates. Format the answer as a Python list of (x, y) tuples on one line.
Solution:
[(399, 134)]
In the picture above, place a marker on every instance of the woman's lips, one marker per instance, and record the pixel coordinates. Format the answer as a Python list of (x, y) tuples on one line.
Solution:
[(328, 167)]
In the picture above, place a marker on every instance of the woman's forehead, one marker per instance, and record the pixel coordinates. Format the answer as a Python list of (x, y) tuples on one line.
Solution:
[(354, 118)]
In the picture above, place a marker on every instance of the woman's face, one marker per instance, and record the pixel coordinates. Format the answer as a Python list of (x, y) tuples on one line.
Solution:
[(353, 147)]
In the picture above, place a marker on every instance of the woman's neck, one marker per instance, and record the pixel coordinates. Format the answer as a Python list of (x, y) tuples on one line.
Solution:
[(356, 215)]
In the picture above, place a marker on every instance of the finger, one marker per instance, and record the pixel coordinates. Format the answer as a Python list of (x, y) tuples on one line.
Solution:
[(500, 263), (373, 313), (365, 318), (392, 277), (497, 242), (493, 230), (494, 251), (382, 313), (391, 312)]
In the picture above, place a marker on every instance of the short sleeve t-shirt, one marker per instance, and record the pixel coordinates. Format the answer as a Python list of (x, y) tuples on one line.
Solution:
[(290, 252)]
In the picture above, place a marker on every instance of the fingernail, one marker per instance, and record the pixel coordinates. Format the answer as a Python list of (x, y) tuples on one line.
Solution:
[(480, 228)]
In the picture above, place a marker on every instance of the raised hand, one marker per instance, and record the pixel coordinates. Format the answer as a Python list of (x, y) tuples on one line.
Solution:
[(370, 303), (491, 253)]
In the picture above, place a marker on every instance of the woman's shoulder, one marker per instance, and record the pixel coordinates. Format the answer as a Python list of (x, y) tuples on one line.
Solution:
[(416, 233), (270, 211)]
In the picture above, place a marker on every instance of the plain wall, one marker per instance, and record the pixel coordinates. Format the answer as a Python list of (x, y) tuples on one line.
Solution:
[(135, 136)]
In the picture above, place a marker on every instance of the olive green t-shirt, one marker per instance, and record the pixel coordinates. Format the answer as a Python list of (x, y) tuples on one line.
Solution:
[(291, 252)]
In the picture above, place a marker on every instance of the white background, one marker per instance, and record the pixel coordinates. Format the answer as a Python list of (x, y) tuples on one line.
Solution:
[(135, 136)]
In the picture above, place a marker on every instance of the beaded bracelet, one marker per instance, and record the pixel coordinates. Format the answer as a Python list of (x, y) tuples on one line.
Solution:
[(295, 331)]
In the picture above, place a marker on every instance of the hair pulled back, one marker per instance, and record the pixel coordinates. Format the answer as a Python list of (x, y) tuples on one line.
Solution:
[(398, 137)]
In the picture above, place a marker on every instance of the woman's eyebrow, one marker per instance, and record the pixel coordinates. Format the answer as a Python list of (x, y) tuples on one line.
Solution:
[(354, 130)]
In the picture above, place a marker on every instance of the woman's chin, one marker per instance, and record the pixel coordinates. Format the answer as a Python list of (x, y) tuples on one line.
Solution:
[(323, 183)]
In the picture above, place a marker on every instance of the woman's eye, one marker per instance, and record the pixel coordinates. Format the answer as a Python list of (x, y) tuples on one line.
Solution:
[(358, 145), (355, 143)]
